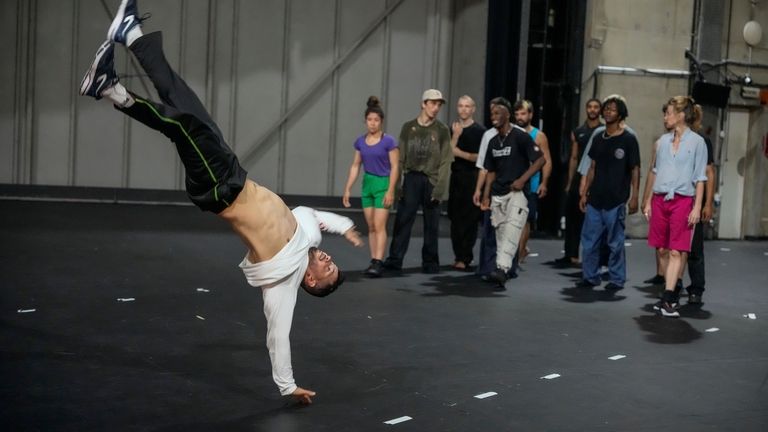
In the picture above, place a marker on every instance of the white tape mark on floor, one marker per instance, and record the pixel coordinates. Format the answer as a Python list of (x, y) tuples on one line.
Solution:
[(750, 316), (725, 249), (26, 310), (712, 330), (534, 254), (627, 244), (398, 420), (551, 376), (617, 357), (200, 318), (203, 290), (126, 299), (485, 395)]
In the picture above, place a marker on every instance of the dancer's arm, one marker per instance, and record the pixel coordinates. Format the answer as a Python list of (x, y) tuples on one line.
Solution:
[(336, 224), (279, 302), (354, 171)]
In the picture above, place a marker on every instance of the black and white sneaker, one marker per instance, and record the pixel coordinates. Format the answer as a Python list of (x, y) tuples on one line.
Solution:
[(101, 75), (658, 306), (667, 309), (126, 18)]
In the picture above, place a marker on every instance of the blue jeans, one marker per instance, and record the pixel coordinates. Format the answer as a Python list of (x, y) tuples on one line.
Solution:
[(609, 223)]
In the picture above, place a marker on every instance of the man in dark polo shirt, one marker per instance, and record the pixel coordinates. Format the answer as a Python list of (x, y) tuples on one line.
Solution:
[(612, 182)]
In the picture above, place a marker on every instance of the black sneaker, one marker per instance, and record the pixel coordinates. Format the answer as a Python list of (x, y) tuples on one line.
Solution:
[(101, 75), (391, 265), (694, 299), (430, 268), (499, 276), (126, 18), (656, 280), (585, 284), (375, 269), (613, 287), (668, 309)]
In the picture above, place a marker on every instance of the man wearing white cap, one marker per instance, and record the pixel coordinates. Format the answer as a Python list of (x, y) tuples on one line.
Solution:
[(425, 160)]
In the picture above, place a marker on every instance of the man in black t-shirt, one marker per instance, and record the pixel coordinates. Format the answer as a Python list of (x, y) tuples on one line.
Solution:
[(464, 215), (574, 218), (511, 159), (612, 182)]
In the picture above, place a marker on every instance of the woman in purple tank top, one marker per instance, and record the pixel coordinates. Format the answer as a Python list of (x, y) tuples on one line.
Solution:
[(377, 152)]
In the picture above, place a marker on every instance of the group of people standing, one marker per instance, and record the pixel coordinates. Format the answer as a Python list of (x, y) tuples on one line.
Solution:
[(494, 176), (493, 179)]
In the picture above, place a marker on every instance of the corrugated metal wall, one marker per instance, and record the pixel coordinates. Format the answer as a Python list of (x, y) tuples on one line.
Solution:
[(286, 81)]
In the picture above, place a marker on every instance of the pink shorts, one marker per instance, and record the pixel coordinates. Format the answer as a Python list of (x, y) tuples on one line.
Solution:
[(669, 228)]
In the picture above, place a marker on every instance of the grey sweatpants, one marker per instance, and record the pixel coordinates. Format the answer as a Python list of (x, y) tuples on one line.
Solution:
[(509, 214)]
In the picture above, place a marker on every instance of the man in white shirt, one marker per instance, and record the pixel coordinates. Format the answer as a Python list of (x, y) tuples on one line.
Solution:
[(282, 244)]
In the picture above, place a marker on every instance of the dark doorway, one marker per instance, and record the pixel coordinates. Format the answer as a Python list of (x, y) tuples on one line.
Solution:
[(549, 67)]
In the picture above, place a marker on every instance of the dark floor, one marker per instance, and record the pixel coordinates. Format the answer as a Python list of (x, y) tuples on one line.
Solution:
[(179, 359)]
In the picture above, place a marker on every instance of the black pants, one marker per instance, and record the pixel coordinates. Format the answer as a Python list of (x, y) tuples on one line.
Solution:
[(214, 177), (417, 192), (574, 219), (464, 215), (696, 260)]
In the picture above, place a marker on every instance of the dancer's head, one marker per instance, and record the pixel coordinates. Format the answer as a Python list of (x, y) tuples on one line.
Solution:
[(465, 107), (374, 115), (682, 110), (523, 113), (501, 111), (322, 276), (431, 102), (615, 109), (593, 107)]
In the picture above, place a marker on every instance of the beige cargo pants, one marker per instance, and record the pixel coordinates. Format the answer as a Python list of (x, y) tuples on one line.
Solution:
[(509, 214)]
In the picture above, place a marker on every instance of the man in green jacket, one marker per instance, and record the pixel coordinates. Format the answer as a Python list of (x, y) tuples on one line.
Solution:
[(425, 160)]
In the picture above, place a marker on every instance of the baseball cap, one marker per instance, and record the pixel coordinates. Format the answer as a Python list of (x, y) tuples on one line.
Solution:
[(432, 94)]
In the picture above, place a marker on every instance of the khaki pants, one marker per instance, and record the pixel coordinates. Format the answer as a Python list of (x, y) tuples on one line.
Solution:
[(508, 216)]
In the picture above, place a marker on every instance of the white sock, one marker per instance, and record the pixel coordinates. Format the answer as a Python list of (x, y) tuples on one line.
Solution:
[(132, 35), (118, 95)]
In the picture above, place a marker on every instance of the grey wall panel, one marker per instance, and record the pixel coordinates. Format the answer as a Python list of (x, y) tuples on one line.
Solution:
[(310, 55), (99, 149), (407, 63), (51, 144), (468, 57), (361, 76), (260, 80), (8, 88)]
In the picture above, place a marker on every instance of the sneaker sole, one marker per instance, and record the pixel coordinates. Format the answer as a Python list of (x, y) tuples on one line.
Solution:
[(89, 77), (674, 314)]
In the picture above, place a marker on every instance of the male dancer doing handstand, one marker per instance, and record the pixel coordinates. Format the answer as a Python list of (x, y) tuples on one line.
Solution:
[(282, 244)]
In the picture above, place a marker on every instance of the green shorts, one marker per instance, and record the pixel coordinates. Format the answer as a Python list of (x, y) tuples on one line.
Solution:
[(374, 189)]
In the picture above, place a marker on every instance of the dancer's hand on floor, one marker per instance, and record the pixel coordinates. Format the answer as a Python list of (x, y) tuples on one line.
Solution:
[(303, 396)]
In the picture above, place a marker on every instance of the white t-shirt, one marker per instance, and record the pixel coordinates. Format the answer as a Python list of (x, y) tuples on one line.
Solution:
[(280, 277)]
